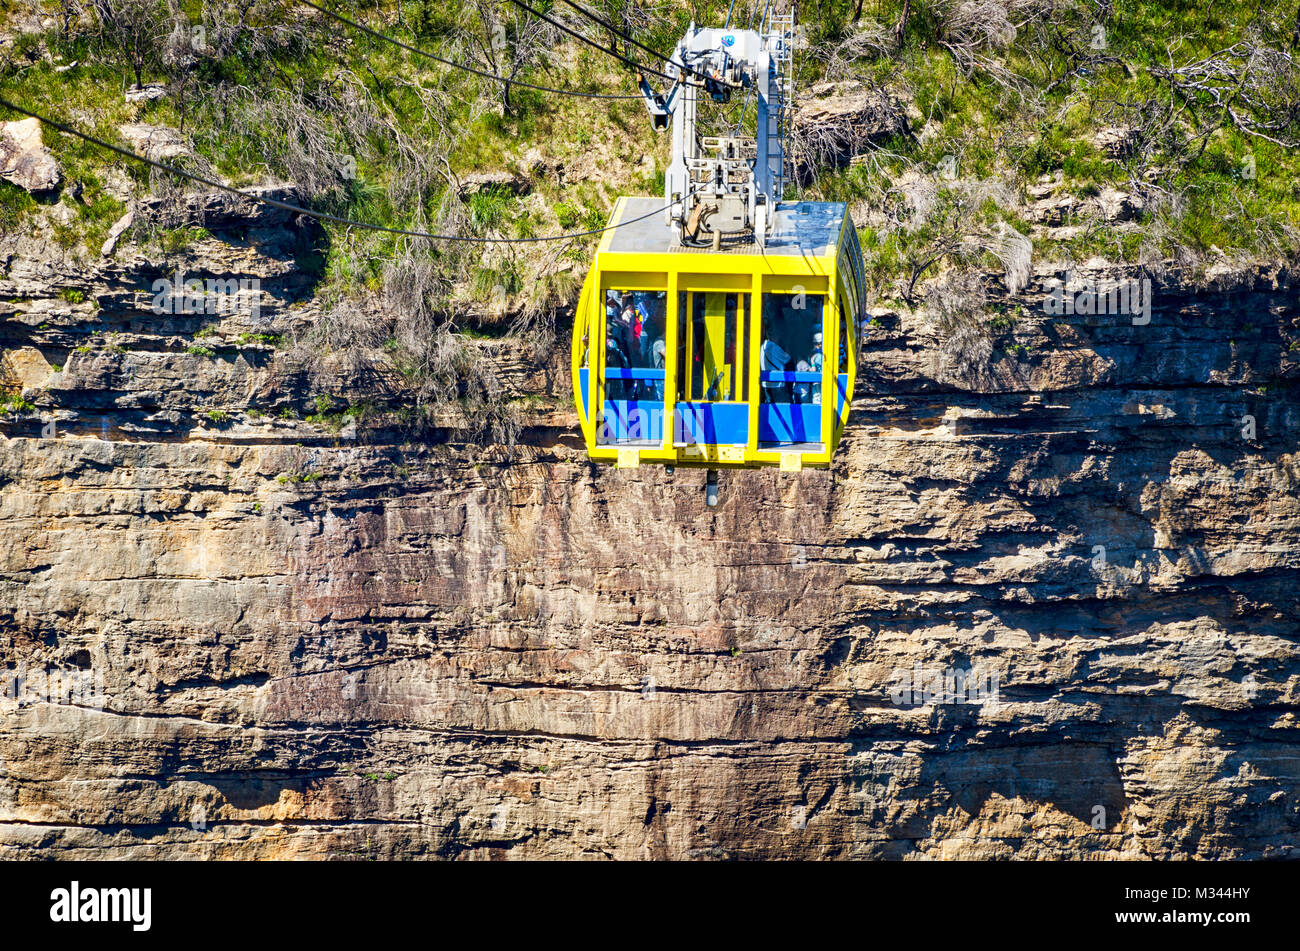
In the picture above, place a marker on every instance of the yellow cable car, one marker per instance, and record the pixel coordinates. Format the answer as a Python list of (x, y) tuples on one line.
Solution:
[(717, 358)]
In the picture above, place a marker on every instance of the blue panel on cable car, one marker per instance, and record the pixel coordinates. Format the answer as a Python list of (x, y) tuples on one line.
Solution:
[(714, 424), (633, 421), (582, 381), (789, 422)]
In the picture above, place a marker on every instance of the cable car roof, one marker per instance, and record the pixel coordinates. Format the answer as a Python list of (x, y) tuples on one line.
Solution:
[(799, 229)]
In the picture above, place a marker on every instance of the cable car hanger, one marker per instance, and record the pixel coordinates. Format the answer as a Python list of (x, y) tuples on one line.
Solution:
[(728, 186)]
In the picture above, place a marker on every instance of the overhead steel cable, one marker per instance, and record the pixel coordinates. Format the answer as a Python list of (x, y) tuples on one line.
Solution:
[(624, 36), (308, 212), (590, 42), (469, 69), (683, 65)]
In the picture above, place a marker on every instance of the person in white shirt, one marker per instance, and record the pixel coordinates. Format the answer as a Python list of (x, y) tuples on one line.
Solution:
[(774, 359)]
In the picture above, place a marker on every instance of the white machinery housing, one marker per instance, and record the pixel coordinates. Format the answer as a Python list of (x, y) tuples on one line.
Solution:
[(725, 188)]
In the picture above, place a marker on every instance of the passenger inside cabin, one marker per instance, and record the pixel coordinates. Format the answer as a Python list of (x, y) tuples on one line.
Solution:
[(802, 391), (792, 323), (774, 360), (645, 330), (615, 359), (658, 353), (630, 325), (811, 392), (618, 355), (651, 309)]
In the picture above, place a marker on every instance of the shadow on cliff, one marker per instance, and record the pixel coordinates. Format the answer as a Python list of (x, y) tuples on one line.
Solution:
[(1080, 779), (252, 794)]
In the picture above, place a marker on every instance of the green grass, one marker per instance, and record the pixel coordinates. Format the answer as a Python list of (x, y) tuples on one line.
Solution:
[(969, 115), (16, 404), (334, 419), (488, 206), (289, 478), (15, 205)]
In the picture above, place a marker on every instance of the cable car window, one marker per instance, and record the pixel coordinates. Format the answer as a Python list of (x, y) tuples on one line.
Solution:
[(844, 336), (711, 350), (791, 351), (634, 340)]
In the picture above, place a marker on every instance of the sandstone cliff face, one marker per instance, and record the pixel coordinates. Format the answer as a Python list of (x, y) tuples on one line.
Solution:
[(314, 645)]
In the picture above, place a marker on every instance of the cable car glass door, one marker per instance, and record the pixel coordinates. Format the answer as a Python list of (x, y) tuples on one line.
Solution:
[(711, 392), (790, 375)]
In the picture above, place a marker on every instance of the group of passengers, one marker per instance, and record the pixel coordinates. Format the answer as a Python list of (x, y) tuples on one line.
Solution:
[(775, 359), (635, 323), (634, 339)]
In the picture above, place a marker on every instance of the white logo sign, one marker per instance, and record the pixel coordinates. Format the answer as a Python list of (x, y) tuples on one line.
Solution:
[(75, 904)]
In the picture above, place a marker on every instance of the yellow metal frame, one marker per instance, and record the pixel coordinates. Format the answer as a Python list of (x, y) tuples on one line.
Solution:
[(748, 274)]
